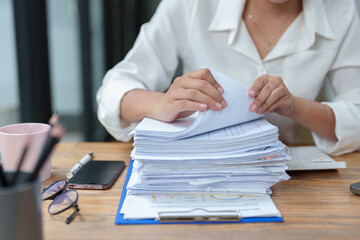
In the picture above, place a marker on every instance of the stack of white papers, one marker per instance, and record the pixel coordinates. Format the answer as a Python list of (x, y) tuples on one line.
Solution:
[(187, 166), (231, 152)]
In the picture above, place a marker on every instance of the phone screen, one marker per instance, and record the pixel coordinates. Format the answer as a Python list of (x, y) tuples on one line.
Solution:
[(97, 174)]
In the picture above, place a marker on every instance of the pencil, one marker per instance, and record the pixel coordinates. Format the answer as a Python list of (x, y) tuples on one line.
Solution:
[(56, 133), (2, 176), (18, 169), (54, 119)]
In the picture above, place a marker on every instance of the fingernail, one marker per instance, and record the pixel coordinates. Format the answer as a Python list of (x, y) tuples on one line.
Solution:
[(220, 90), (203, 106), (253, 108), (261, 110), (251, 93), (218, 105), (224, 104)]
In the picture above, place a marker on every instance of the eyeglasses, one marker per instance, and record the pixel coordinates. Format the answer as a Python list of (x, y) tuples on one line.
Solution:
[(63, 199)]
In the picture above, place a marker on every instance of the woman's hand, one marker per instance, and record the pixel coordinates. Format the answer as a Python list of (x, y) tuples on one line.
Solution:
[(271, 95), (193, 91)]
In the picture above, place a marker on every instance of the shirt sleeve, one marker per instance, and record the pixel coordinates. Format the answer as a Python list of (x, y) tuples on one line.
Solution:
[(344, 80), (150, 64)]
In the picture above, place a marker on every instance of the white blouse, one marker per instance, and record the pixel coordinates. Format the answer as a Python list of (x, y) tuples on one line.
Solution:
[(322, 43)]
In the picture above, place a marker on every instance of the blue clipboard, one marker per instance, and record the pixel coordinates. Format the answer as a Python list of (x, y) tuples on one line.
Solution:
[(121, 221)]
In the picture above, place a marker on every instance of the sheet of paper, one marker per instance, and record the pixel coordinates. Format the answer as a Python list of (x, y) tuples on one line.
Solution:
[(225, 183), (261, 150), (147, 206), (259, 189), (252, 130), (160, 170)]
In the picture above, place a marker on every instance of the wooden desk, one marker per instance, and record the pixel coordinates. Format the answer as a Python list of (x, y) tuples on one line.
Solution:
[(315, 205)]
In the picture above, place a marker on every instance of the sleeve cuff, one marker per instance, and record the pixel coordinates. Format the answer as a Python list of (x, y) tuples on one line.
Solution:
[(347, 129), (109, 97)]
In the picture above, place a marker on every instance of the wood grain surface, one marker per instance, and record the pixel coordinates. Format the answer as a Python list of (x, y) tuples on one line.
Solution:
[(314, 204)]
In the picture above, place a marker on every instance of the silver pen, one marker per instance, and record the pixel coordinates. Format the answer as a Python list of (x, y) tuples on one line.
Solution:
[(79, 165)]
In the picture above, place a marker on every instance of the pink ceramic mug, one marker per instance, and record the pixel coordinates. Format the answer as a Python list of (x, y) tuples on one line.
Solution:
[(13, 139)]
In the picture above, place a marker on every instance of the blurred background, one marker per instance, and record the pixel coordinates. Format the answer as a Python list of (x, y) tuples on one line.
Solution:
[(54, 54)]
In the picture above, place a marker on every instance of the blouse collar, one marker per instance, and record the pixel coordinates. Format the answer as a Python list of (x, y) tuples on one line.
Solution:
[(314, 13), (228, 17)]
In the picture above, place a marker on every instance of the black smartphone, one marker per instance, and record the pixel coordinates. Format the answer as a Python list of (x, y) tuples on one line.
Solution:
[(97, 174)]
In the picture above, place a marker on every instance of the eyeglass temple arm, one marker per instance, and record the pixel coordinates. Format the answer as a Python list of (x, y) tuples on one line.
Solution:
[(69, 219)]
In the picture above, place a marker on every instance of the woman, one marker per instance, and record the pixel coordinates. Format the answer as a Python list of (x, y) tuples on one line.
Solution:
[(282, 49)]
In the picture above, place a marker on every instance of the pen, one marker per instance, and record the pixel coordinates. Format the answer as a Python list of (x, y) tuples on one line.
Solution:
[(79, 165)]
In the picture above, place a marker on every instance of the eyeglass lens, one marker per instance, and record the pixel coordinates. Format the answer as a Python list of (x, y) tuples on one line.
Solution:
[(53, 189), (63, 201)]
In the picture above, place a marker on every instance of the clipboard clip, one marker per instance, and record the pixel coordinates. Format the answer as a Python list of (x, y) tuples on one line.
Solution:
[(199, 215)]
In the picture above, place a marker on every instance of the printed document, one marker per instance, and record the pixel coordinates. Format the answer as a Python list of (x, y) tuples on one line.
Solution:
[(147, 206)]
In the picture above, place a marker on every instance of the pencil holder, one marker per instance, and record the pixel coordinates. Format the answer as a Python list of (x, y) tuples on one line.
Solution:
[(20, 210)]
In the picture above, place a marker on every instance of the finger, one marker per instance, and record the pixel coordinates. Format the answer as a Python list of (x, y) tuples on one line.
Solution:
[(189, 81), (185, 114), (187, 105), (275, 95), (275, 105), (258, 85), (207, 89), (261, 97), (205, 74), (198, 96)]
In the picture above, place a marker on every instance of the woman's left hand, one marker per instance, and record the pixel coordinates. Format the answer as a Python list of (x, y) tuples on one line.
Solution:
[(271, 95)]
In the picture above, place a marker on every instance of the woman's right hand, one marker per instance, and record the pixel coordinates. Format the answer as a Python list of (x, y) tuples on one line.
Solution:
[(193, 91)]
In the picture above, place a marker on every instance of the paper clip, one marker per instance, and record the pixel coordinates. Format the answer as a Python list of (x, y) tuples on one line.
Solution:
[(198, 215)]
